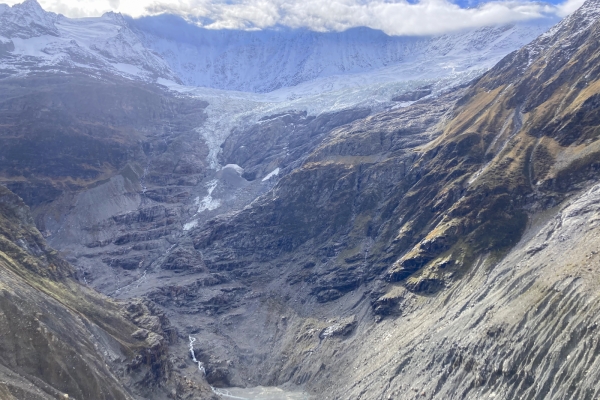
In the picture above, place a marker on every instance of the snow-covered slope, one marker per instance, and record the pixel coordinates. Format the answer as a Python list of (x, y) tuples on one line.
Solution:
[(245, 75), (352, 71), (263, 61), (32, 39), (168, 47), (26, 20)]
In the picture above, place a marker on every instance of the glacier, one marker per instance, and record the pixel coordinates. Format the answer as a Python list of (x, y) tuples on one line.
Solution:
[(246, 75), (267, 60)]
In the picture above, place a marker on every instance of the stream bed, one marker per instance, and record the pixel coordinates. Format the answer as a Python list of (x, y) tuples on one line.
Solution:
[(260, 393)]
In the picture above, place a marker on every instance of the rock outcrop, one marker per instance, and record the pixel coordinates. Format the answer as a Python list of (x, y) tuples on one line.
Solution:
[(59, 339)]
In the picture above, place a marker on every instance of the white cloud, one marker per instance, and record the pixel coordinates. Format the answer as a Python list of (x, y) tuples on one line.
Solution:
[(568, 7), (396, 17)]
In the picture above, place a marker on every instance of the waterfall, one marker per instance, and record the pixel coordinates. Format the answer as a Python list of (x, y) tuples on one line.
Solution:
[(200, 364), (219, 392)]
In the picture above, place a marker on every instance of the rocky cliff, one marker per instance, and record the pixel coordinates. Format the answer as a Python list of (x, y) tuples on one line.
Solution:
[(62, 340), (401, 215)]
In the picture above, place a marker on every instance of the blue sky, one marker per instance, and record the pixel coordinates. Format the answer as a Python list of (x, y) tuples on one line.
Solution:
[(394, 17)]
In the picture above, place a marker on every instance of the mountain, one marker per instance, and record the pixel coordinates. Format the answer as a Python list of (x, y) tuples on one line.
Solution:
[(263, 61), (34, 40), (27, 20), (443, 250), (62, 340), (363, 235), (169, 48)]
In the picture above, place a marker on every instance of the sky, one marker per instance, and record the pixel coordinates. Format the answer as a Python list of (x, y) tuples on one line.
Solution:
[(394, 17)]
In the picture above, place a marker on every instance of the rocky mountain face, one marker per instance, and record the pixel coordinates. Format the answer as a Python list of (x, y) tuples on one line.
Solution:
[(440, 246), (404, 213), (62, 340), (110, 168)]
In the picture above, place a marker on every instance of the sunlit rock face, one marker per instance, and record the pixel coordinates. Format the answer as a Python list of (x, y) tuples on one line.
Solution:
[(443, 243)]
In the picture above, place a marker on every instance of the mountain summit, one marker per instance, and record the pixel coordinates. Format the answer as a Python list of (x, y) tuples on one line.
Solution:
[(169, 48), (27, 20)]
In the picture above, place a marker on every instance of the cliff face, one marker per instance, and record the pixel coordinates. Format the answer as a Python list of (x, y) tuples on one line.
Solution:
[(58, 338), (524, 327), (444, 217), (417, 195)]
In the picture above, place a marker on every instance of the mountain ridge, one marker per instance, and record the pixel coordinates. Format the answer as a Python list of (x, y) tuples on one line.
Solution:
[(60, 339), (238, 60), (438, 247)]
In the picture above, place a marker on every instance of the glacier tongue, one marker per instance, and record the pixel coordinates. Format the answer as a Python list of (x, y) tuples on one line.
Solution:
[(228, 110), (247, 75), (316, 72)]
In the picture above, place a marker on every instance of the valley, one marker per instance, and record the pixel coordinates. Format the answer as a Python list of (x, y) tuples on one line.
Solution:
[(423, 226)]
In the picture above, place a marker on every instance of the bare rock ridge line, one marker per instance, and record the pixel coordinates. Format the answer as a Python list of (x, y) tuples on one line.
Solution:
[(436, 245)]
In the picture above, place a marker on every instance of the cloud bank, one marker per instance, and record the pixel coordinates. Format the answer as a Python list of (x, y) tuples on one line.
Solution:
[(394, 17)]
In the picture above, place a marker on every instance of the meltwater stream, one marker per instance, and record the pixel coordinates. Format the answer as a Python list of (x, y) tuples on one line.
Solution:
[(260, 393), (256, 393), (200, 364)]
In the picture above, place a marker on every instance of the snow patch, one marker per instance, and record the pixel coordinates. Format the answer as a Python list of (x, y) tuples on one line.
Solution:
[(236, 168), (33, 47), (166, 82), (208, 203), (190, 225), (275, 172), (128, 69)]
